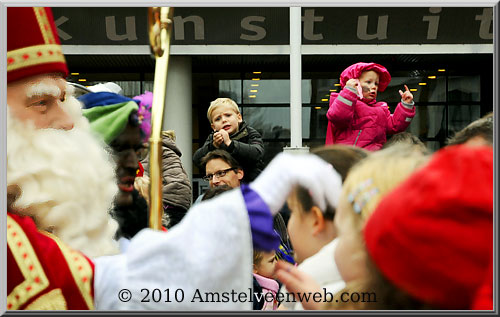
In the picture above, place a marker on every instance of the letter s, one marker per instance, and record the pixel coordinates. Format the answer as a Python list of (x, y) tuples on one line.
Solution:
[(260, 32)]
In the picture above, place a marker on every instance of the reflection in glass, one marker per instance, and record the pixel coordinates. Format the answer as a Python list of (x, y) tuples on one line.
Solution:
[(464, 88), (274, 122), (429, 121), (461, 115), (230, 89), (272, 91), (434, 90)]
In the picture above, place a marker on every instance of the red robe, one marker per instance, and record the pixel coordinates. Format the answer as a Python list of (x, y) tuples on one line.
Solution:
[(43, 273)]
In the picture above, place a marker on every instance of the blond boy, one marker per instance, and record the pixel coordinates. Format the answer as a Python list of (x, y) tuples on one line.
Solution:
[(232, 134)]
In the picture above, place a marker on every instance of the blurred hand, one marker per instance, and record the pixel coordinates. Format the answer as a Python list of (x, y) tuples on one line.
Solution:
[(296, 282), (287, 170)]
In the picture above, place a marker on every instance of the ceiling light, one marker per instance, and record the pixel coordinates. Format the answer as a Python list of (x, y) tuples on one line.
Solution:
[(255, 85), (255, 78), (254, 90), (252, 96), (82, 79), (333, 90), (413, 89), (441, 70), (431, 77), (317, 108), (75, 74), (324, 99), (257, 72), (422, 84), (336, 84)]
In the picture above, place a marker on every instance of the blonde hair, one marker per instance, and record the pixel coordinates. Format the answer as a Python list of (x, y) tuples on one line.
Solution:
[(370, 179), (366, 184), (221, 102)]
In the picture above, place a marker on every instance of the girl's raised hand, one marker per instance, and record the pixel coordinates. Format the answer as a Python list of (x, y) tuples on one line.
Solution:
[(353, 82), (406, 96)]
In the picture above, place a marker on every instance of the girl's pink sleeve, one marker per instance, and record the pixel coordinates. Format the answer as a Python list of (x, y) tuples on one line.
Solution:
[(341, 109), (400, 119)]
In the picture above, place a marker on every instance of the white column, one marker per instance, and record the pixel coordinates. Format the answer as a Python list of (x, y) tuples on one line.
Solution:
[(295, 81), (177, 115)]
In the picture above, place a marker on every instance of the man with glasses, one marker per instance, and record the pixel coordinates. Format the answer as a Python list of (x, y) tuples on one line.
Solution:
[(222, 169)]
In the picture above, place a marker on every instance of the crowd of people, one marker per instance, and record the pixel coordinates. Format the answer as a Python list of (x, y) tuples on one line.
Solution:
[(371, 223)]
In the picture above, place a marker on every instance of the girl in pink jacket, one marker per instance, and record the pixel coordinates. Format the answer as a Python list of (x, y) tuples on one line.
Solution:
[(356, 118)]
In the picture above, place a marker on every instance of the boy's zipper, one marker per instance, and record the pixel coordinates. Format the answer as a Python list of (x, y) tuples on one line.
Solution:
[(356, 141)]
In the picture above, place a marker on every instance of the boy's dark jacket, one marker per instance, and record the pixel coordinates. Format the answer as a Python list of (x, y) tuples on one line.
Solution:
[(246, 147)]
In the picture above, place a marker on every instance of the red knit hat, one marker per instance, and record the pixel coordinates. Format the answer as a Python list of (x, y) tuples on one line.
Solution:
[(355, 70), (33, 45), (432, 236)]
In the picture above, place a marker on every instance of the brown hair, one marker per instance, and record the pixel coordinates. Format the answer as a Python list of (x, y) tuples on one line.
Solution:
[(214, 191), (482, 127), (408, 138), (257, 257), (342, 158), (220, 154)]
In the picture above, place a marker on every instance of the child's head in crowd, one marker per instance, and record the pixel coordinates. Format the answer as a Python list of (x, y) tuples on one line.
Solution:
[(406, 138), (264, 263), (365, 185), (478, 132), (430, 240), (224, 113), (309, 227)]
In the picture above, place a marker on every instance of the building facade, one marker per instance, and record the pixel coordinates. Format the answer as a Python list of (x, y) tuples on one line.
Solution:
[(280, 65)]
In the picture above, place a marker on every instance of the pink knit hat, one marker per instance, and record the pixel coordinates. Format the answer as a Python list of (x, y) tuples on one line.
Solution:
[(355, 70)]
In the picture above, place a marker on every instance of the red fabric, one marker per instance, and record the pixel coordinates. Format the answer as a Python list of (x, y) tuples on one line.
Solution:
[(24, 31), (433, 235), (362, 124), (54, 264), (355, 70), (484, 297), (140, 170), (330, 139)]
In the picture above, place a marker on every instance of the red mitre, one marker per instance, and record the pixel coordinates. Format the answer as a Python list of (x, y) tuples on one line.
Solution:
[(33, 45)]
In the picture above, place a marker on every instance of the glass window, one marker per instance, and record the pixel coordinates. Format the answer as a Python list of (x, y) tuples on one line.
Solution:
[(464, 88), (322, 88), (459, 116), (274, 122), (429, 122), (433, 146), (423, 89), (230, 88), (318, 122), (272, 91)]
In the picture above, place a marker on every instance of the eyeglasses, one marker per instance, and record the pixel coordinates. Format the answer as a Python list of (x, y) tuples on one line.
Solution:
[(218, 174)]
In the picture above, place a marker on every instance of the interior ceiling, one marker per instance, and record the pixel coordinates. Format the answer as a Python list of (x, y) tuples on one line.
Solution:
[(280, 63)]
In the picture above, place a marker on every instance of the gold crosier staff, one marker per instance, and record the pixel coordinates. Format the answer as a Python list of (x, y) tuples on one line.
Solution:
[(160, 30)]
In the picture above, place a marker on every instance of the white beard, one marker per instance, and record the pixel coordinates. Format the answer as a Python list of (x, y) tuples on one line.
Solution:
[(67, 181)]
